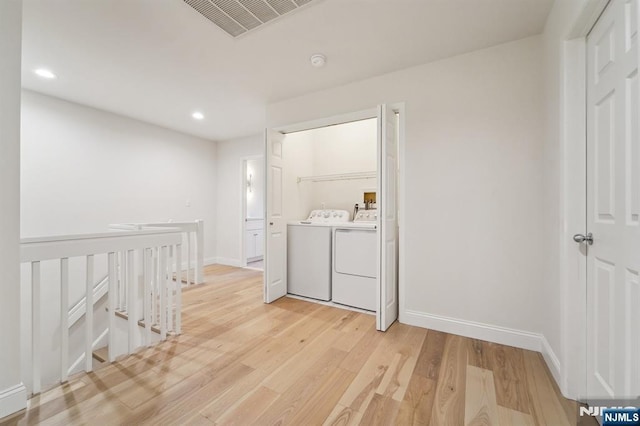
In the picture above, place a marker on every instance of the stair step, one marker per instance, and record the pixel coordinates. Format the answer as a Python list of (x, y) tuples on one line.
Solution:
[(141, 323), (183, 279), (102, 354)]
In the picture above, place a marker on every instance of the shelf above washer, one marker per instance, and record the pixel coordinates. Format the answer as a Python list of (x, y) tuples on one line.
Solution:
[(339, 176)]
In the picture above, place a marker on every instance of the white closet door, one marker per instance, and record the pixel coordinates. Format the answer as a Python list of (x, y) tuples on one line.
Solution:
[(275, 276), (613, 204), (387, 282)]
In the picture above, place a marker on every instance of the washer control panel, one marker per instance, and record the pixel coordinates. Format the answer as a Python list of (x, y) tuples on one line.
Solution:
[(370, 215), (328, 215)]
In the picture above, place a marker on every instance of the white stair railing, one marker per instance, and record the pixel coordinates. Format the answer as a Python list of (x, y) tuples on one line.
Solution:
[(193, 241), (147, 260)]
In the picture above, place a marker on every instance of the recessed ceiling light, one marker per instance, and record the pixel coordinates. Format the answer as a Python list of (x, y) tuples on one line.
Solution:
[(318, 60), (197, 115), (45, 73)]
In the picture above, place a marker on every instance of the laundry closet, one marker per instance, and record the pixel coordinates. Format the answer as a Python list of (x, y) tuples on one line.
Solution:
[(330, 180), (331, 214)]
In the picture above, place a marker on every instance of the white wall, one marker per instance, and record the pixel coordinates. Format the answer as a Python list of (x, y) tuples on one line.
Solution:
[(345, 148), (83, 169), (230, 190), (297, 157), (473, 166), (12, 392)]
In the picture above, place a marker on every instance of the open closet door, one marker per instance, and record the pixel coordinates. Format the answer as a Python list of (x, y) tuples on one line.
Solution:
[(387, 283), (275, 255)]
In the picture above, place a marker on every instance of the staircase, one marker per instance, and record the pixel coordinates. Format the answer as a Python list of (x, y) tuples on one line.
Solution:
[(100, 356), (140, 290)]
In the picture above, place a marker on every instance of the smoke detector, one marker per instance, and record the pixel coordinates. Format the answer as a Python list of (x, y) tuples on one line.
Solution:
[(318, 60)]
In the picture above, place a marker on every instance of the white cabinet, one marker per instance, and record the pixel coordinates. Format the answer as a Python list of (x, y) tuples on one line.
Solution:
[(254, 240)]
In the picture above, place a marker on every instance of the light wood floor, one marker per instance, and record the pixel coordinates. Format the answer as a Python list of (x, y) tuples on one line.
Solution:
[(242, 362)]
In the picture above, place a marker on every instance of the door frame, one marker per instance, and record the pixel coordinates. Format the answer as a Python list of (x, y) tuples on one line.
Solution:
[(243, 207), (573, 201), (400, 108)]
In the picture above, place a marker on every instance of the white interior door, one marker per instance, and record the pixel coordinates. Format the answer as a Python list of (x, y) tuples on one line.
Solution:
[(387, 282), (275, 255), (613, 204)]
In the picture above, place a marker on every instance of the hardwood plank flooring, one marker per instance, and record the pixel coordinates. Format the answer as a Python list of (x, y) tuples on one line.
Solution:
[(480, 407), (242, 362), (449, 403)]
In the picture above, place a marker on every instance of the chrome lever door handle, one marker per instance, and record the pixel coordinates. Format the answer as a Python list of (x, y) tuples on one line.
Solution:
[(581, 238)]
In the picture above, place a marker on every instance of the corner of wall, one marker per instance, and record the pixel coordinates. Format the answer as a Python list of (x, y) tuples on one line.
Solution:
[(13, 395), (553, 363)]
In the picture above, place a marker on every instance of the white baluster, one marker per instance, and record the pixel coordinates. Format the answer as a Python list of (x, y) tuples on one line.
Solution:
[(162, 282), (113, 285), (189, 258), (64, 319), (148, 294), (178, 288), (132, 290), (122, 288), (199, 252), (35, 326), (170, 288), (119, 278), (155, 315), (88, 334)]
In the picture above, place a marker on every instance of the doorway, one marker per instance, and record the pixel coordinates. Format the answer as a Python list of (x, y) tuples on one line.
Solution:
[(253, 192), (386, 219), (612, 241)]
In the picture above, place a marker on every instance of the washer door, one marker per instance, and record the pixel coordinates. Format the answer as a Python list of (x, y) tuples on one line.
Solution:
[(355, 252)]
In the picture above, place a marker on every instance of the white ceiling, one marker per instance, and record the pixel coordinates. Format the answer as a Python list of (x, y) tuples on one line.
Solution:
[(159, 60)]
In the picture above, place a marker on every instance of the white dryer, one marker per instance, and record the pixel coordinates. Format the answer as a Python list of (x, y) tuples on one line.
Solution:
[(355, 262), (309, 253)]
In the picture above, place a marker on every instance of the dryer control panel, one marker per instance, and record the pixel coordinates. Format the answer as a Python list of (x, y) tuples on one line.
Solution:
[(370, 215)]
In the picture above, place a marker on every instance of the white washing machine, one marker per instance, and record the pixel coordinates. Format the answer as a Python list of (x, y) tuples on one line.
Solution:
[(355, 261), (309, 245)]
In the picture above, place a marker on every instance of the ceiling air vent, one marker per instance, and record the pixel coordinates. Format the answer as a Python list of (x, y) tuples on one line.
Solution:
[(237, 17)]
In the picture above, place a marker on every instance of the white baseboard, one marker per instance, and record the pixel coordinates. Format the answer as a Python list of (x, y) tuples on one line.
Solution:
[(475, 330), (205, 262), (210, 261), (228, 261), (13, 400), (491, 333)]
